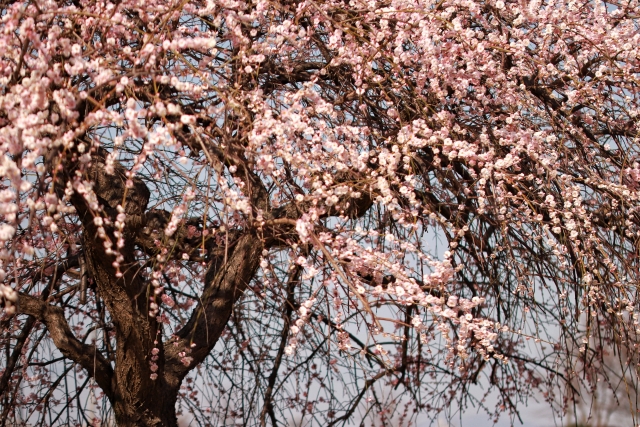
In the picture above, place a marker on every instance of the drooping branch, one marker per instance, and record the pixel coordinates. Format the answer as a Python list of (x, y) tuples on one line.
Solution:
[(15, 354), (288, 307), (86, 355), (54, 277)]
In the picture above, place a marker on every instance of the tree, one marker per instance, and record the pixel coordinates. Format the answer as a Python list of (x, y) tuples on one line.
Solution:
[(260, 211)]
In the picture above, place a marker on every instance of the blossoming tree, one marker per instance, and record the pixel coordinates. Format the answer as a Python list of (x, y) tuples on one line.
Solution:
[(259, 211)]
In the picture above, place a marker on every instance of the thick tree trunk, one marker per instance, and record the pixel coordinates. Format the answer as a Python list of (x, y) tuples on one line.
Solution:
[(137, 399), (156, 409)]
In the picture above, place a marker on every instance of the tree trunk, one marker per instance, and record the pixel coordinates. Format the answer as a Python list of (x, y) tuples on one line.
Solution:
[(157, 409)]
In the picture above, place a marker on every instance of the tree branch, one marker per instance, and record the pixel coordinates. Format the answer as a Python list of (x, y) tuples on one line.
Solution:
[(224, 285), (85, 355), (17, 350)]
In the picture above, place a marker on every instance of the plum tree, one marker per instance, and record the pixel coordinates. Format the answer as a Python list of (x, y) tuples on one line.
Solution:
[(255, 211)]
